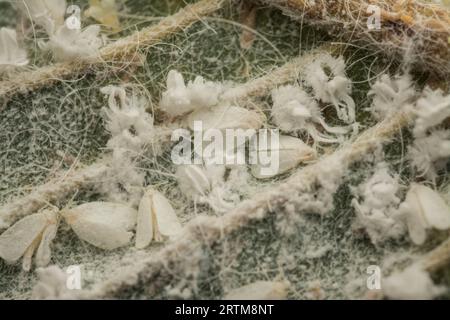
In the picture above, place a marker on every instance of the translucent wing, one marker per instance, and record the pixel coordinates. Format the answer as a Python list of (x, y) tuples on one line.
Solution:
[(28, 255), (167, 223), (17, 239), (289, 153), (102, 224), (416, 228), (435, 211), (114, 214), (414, 217), (101, 235), (144, 226), (44, 252)]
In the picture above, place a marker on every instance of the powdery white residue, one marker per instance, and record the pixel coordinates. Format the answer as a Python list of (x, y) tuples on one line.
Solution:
[(411, 283)]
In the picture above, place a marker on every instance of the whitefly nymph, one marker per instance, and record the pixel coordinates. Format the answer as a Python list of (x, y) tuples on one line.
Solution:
[(66, 42), (376, 206), (206, 184), (294, 110), (326, 76), (180, 98)]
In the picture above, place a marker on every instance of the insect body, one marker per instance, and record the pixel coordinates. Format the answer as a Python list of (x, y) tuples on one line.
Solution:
[(105, 225), (289, 153), (156, 219), (424, 208), (32, 234)]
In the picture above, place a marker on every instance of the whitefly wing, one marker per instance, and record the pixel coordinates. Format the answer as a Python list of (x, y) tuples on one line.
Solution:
[(167, 223), (144, 225), (44, 252), (103, 224), (435, 211), (17, 239)]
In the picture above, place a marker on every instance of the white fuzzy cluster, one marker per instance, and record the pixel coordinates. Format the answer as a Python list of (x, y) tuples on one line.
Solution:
[(391, 94), (180, 99), (130, 125), (206, 184), (11, 55), (383, 216), (65, 42), (293, 109), (413, 283), (132, 131), (424, 209), (431, 148), (48, 14), (69, 44), (30, 238), (326, 76), (52, 284), (378, 213)]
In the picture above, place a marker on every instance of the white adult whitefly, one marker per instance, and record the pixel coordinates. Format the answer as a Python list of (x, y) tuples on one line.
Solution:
[(11, 54), (289, 153), (431, 110), (326, 75), (293, 109), (206, 184), (430, 149), (156, 219), (65, 42), (44, 253), (105, 225), (34, 232), (424, 209)]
